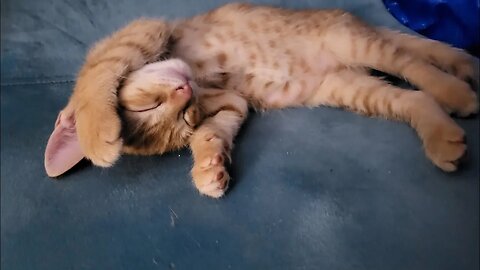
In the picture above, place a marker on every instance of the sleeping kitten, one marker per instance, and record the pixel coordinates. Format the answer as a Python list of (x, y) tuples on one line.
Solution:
[(214, 66)]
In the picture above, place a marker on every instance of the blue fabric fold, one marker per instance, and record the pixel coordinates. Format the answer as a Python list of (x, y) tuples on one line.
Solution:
[(452, 21)]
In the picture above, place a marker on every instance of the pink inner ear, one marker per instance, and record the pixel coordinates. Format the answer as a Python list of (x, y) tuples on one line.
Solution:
[(63, 150)]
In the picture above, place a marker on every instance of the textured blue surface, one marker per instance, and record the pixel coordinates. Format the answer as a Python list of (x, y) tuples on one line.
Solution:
[(456, 22), (312, 188)]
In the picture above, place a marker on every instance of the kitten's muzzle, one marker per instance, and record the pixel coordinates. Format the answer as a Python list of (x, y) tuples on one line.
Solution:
[(185, 90)]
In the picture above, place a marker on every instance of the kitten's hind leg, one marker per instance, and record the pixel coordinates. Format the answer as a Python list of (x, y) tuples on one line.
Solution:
[(452, 60), (356, 44), (442, 138)]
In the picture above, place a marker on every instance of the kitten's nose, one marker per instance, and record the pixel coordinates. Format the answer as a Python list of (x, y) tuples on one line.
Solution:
[(185, 89)]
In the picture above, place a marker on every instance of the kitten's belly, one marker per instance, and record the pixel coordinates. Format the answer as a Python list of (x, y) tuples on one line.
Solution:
[(286, 84)]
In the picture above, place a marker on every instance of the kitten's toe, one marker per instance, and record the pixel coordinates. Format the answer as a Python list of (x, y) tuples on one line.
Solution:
[(107, 153), (469, 103), (446, 148), (209, 162), (466, 69), (218, 186), (457, 97), (212, 181)]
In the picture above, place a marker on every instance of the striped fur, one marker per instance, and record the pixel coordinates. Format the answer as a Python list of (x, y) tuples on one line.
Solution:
[(293, 58)]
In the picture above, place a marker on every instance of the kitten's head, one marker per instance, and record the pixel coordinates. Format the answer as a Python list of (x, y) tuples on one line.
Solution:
[(158, 107)]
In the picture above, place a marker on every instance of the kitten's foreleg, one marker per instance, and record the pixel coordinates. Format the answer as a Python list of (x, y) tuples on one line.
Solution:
[(212, 142), (442, 138), (94, 100)]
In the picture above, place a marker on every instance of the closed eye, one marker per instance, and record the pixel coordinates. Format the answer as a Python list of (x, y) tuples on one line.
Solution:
[(143, 109)]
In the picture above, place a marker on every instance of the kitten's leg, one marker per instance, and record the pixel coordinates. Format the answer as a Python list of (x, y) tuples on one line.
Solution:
[(356, 44), (442, 138), (212, 142), (94, 100), (452, 60)]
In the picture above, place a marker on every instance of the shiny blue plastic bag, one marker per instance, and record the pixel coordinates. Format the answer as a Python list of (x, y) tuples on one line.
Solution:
[(453, 21)]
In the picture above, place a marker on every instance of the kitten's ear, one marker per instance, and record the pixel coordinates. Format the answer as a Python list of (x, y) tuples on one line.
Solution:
[(63, 149)]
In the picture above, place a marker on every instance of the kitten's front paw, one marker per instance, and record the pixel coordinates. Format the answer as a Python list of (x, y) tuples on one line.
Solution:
[(99, 134), (212, 179), (446, 147), (193, 116), (209, 173)]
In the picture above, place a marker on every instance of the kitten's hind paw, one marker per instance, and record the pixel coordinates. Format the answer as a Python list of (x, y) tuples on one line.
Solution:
[(446, 147), (457, 97), (467, 100)]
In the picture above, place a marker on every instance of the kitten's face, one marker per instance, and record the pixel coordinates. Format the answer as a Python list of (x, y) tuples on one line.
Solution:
[(156, 105)]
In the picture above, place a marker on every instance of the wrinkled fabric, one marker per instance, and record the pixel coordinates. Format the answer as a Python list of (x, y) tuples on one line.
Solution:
[(456, 22)]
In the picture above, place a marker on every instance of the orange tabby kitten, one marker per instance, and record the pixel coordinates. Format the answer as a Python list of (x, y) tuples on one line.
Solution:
[(214, 66)]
